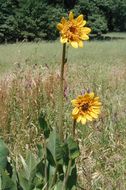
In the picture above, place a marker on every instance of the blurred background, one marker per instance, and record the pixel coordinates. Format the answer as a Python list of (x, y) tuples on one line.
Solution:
[(36, 19)]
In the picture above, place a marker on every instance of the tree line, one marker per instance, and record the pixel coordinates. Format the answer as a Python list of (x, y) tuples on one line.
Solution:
[(37, 19)]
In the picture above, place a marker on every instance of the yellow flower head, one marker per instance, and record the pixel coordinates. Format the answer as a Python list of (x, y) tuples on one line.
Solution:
[(86, 107), (73, 31)]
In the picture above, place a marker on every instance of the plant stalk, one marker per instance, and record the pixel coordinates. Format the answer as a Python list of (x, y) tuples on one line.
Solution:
[(61, 104), (54, 177), (67, 175), (45, 157), (74, 125), (70, 161)]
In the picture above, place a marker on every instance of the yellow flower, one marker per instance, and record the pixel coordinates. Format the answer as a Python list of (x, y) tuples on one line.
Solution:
[(86, 107), (73, 31)]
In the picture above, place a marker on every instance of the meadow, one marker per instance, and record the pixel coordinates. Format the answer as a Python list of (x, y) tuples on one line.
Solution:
[(29, 85)]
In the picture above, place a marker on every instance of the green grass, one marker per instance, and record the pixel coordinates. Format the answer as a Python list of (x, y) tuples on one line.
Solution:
[(116, 34), (31, 88), (45, 53)]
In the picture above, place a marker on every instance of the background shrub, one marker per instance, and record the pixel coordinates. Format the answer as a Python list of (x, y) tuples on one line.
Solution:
[(37, 19), (98, 24)]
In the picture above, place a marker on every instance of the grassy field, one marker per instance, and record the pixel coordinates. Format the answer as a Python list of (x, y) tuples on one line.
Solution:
[(29, 85)]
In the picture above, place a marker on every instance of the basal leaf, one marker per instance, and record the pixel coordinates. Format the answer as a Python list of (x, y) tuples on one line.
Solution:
[(40, 151), (58, 186), (44, 126), (6, 182), (73, 148), (4, 152), (55, 147)]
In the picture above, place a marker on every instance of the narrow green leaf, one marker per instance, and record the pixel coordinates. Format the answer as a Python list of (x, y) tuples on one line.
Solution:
[(0, 181), (25, 168), (24, 183), (58, 186), (30, 165), (31, 162), (43, 125), (72, 179), (55, 148), (40, 151), (6, 182), (4, 152), (73, 148)]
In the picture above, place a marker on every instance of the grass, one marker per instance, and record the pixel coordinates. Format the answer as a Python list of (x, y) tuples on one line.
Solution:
[(116, 34), (32, 86)]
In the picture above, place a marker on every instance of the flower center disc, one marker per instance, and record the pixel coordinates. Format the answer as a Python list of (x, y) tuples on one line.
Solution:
[(72, 29), (85, 107)]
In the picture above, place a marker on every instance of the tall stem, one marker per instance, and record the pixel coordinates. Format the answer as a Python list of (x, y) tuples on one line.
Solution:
[(67, 175), (45, 162), (62, 92), (54, 177), (74, 125), (70, 161)]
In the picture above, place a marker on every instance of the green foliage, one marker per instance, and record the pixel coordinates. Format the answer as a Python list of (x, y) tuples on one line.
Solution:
[(44, 126), (48, 168), (98, 24), (37, 19), (5, 169), (73, 148), (8, 21), (7, 183), (30, 176), (54, 149), (120, 15), (3, 155)]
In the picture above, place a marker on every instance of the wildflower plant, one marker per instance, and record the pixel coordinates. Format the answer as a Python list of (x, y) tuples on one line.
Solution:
[(54, 167), (86, 107), (73, 31)]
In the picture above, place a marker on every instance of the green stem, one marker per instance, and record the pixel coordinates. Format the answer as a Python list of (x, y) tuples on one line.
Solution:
[(74, 125), (45, 162), (61, 104), (0, 182), (54, 177), (67, 175), (70, 161)]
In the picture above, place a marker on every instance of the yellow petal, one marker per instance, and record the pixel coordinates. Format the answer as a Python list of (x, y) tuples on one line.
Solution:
[(91, 95), (86, 95), (59, 26), (84, 37), (86, 30), (96, 111), (79, 118), (79, 97), (83, 120), (63, 21), (96, 98), (74, 102), (74, 44), (95, 107), (88, 117), (82, 23), (93, 115), (96, 103), (63, 40), (75, 111), (71, 16), (80, 18), (80, 44)]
